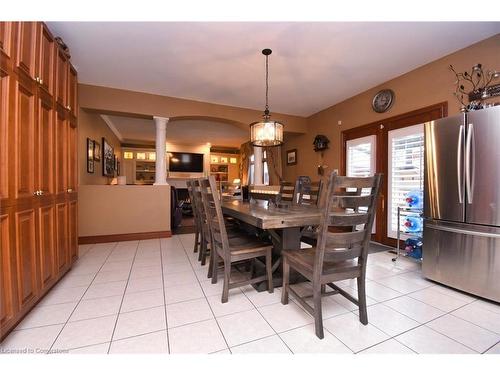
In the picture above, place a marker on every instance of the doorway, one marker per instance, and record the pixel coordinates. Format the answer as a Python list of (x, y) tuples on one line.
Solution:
[(393, 147)]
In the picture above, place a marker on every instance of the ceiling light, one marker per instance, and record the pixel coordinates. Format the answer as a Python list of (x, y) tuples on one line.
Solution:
[(266, 132)]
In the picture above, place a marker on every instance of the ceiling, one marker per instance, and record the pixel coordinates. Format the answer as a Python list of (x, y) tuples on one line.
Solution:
[(313, 65), (190, 132)]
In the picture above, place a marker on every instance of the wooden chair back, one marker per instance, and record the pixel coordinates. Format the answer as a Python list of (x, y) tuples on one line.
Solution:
[(189, 184), (215, 218), (200, 209), (346, 207), (309, 193), (287, 192)]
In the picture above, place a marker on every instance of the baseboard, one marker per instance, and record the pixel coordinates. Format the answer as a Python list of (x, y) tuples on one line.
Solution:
[(123, 237)]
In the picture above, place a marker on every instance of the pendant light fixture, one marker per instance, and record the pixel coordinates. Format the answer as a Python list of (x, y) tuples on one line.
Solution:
[(267, 132)]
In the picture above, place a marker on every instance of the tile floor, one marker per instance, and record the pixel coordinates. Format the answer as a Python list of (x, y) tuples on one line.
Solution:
[(153, 297)]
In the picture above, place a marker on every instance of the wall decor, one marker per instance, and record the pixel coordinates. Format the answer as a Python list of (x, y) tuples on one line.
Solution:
[(320, 142), (214, 159), (223, 159), (291, 157), (383, 100), (473, 87), (108, 162), (97, 151), (90, 155)]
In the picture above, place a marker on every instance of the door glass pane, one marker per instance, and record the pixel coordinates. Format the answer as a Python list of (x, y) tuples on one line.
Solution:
[(406, 170)]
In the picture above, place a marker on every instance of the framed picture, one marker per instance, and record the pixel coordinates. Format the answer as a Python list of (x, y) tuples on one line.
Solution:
[(90, 155), (291, 157), (97, 151), (108, 162)]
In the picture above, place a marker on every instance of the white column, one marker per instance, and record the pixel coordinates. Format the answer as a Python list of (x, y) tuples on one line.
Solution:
[(258, 171), (161, 157)]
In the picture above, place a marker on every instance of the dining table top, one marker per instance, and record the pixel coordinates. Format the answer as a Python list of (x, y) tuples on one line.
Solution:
[(265, 215)]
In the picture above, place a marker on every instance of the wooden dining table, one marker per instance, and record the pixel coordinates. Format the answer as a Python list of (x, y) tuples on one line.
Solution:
[(284, 224)]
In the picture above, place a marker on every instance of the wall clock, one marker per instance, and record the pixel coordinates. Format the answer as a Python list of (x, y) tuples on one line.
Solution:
[(383, 100)]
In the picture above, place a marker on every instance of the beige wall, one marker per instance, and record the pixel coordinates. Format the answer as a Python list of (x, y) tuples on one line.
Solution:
[(430, 84), (91, 125), (116, 209), (110, 100)]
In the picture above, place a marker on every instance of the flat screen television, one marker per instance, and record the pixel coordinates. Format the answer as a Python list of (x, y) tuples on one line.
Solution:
[(185, 162)]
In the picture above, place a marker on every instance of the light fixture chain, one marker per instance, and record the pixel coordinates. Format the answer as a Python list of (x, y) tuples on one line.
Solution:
[(267, 82)]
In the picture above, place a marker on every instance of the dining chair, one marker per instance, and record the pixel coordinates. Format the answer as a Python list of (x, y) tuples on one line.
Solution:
[(205, 236), (232, 249), (197, 224), (286, 194), (309, 194), (336, 256)]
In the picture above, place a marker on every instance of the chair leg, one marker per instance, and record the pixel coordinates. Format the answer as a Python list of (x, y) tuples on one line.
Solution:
[(215, 260), (323, 288), (286, 276), (203, 254), (211, 265), (318, 314), (269, 269), (196, 240), (202, 245), (227, 278), (363, 313)]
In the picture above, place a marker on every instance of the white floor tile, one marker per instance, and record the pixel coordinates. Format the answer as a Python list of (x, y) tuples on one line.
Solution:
[(264, 298), (388, 347), (479, 316), (329, 307), (348, 329), (453, 293), (438, 300), (414, 309), (388, 320), (151, 343), (86, 332), (139, 272), (143, 284), (180, 278), (284, 317), (400, 284), (140, 322), (487, 305), (494, 350), (142, 300), (182, 293), (424, 340), (47, 315), (91, 349), (379, 292), (466, 333), (201, 337), (31, 341), (235, 304), (63, 295), (188, 312), (71, 281), (116, 288), (169, 269), (243, 327), (110, 276), (116, 266), (94, 308), (304, 340), (268, 345)]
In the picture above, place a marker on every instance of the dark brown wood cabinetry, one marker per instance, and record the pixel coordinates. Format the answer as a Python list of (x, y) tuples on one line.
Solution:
[(38, 167)]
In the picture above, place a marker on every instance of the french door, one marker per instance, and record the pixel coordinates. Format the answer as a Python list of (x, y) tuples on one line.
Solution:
[(393, 147)]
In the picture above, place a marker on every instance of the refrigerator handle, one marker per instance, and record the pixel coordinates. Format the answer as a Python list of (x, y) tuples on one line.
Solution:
[(468, 163), (459, 162)]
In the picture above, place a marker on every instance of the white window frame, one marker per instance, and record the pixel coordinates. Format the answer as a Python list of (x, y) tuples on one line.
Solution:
[(265, 169), (403, 132)]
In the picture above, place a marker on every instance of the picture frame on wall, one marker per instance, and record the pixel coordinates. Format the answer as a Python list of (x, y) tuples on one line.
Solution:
[(97, 151), (90, 156), (291, 157), (108, 160)]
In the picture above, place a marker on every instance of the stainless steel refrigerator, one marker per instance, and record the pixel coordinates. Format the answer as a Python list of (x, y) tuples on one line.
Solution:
[(462, 202)]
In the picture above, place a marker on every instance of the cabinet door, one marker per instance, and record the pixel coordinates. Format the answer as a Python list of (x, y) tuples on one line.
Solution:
[(46, 55), (72, 91), (24, 140), (26, 48), (46, 246), (62, 237), (61, 78), (6, 39), (25, 241), (7, 276), (45, 147), (4, 135), (61, 153), (72, 142), (73, 230)]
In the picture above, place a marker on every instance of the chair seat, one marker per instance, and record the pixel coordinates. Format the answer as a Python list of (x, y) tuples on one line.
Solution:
[(305, 260), (309, 236)]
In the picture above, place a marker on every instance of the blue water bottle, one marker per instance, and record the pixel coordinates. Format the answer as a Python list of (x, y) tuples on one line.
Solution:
[(413, 224), (414, 199)]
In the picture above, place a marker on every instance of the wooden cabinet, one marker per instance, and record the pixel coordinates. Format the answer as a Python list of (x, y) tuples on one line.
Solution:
[(25, 37), (38, 167)]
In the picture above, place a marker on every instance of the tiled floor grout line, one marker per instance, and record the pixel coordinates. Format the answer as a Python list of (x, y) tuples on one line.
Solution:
[(80, 300), (123, 297), (492, 346), (164, 297), (203, 291)]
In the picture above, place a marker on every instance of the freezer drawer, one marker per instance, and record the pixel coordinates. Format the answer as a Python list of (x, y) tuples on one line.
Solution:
[(463, 256)]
